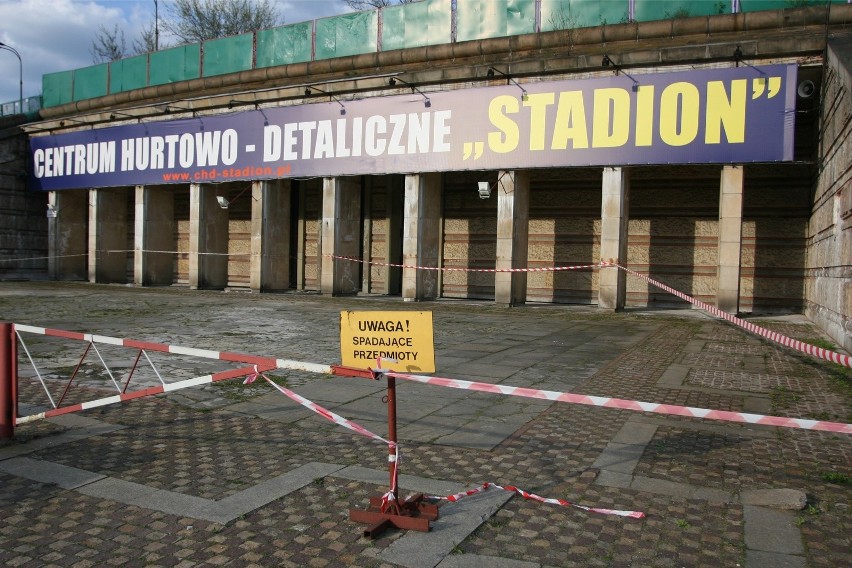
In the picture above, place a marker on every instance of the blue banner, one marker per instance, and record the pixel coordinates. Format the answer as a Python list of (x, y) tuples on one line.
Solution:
[(711, 116)]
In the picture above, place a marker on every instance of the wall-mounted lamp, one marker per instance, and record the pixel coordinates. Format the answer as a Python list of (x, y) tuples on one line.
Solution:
[(51, 211), (426, 101), (65, 121), (115, 114), (168, 109), (509, 79), (484, 190), (224, 202), (608, 62), (309, 92)]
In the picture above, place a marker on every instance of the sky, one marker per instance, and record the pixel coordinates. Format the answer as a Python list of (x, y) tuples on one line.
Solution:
[(56, 35)]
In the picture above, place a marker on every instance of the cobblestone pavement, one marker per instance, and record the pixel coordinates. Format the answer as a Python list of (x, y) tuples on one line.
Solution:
[(213, 446)]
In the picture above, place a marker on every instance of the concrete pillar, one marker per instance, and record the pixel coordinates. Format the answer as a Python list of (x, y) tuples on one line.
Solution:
[(421, 236), (615, 194), (154, 237), (208, 239), (730, 239), (341, 235), (513, 216), (108, 235), (270, 235), (68, 235)]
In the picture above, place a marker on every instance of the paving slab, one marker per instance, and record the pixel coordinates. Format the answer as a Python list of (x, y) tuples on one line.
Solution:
[(456, 522), (770, 530), (46, 472)]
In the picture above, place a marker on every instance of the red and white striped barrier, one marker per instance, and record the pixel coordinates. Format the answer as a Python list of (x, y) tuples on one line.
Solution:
[(812, 350), (266, 362), (124, 397), (669, 409), (534, 497)]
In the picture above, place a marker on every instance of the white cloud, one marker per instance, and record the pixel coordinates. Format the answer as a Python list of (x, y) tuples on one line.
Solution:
[(50, 35)]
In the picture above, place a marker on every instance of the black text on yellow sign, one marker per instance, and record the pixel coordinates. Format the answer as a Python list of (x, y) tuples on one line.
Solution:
[(403, 341)]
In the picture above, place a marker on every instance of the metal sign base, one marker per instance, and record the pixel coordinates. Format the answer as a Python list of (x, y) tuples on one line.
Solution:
[(411, 514)]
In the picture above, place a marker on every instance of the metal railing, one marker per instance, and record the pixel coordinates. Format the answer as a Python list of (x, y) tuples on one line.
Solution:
[(29, 104)]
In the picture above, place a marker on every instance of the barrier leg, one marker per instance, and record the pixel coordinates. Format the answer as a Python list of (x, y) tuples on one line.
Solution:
[(8, 381)]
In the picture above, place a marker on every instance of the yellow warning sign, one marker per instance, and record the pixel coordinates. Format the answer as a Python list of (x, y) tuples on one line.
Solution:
[(402, 340)]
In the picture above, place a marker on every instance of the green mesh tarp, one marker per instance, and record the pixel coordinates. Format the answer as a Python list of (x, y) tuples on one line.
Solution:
[(482, 19), (128, 74), (57, 88), (350, 34), (415, 25), (175, 64), (90, 82), (757, 5), (284, 45), (647, 10), (570, 14), (228, 55)]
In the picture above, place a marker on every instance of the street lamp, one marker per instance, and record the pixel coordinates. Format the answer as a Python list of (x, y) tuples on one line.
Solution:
[(21, 72)]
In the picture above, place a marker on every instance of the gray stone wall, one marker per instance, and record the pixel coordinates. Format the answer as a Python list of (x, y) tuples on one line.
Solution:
[(828, 281), (23, 224)]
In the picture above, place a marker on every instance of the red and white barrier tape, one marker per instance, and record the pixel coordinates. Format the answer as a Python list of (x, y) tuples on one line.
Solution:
[(825, 354), (670, 409), (445, 269), (340, 421), (533, 496)]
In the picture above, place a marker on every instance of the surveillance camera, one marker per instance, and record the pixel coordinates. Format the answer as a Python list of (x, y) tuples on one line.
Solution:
[(223, 202)]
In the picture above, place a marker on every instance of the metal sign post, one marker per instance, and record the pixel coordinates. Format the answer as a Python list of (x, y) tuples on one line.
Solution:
[(387, 510)]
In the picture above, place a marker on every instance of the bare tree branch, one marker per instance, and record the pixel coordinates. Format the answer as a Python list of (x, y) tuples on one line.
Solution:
[(194, 21), (372, 4), (108, 45)]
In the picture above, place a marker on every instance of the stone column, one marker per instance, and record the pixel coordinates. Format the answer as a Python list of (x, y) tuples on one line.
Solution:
[(108, 235), (341, 235), (421, 236), (154, 231), (730, 239), (270, 235), (208, 233), (67, 235), (513, 216), (615, 193)]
